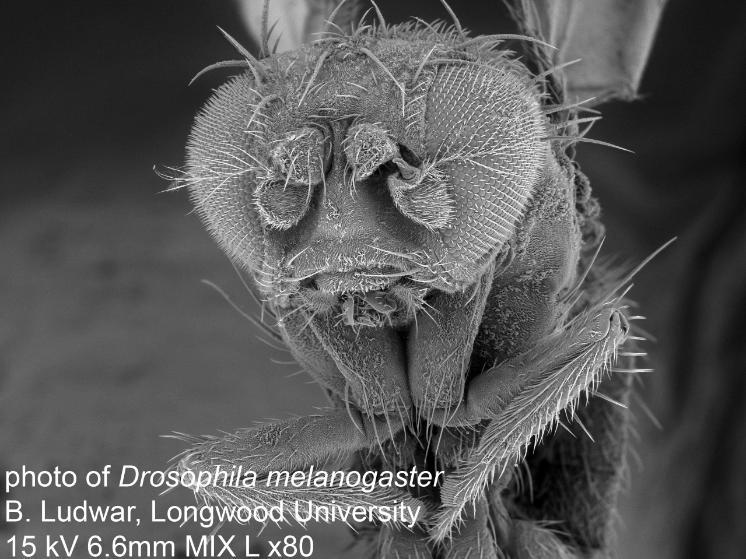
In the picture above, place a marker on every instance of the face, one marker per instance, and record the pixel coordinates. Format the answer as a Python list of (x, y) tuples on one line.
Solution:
[(372, 185), (359, 175)]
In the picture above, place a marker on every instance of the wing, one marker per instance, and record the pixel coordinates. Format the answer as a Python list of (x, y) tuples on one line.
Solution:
[(611, 38)]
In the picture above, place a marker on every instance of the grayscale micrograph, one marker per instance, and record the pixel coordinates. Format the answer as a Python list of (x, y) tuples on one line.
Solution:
[(356, 278)]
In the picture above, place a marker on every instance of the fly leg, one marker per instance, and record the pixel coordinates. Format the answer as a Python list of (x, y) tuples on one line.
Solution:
[(402, 543), (475, 537), (329, 440), (523, 397)]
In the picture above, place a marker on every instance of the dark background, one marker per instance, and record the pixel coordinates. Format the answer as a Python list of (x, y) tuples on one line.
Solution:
[(108, 339)]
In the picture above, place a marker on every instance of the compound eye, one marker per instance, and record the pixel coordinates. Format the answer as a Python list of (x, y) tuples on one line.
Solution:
[(299, 160), (302, 156)]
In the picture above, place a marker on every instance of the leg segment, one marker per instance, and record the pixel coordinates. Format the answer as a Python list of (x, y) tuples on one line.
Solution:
[(401, 543), (475, 538), (524, 396), (575, 478), (533, 541), (323, 440)]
